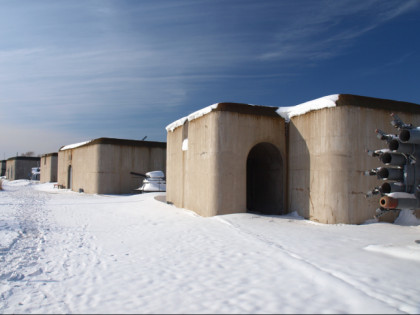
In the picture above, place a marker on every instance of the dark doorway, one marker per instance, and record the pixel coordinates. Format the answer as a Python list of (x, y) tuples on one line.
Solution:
[(264, 180), (69, 178)]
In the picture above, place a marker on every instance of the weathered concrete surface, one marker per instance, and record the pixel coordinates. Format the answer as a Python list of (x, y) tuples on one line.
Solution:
[(327, 160), (49, 163), (191, 176), (77, 168)]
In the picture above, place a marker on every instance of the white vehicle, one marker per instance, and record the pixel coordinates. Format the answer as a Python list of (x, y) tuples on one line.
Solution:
[(154, 182)]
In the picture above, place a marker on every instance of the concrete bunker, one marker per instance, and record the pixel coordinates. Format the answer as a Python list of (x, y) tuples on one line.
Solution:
[(228, 166), (20, 167), (264, 170), (209, 176), (105, 165)]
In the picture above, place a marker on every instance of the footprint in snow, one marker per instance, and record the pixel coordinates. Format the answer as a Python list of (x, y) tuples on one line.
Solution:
[(36, 273), (16, 277)]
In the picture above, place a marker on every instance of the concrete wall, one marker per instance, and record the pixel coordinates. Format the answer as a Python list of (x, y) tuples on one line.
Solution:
[(10, 169), (237, 135), (49, 164), (210, 177), (105, 168), (20, 167), (327, 159), (191, 176), (116, 163), (83, 162)]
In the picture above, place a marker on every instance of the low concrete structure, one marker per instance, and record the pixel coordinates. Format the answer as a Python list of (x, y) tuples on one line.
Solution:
[(327, 157), (20, 167), (228, 160), (103, 165), (49, 163), (309, 158)]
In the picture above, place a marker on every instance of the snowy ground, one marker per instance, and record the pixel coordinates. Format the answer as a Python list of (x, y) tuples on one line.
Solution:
[(68, 252)]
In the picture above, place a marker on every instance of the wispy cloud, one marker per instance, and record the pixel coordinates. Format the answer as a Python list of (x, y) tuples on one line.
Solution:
[(120, 63), (82, 82), (325, 28)]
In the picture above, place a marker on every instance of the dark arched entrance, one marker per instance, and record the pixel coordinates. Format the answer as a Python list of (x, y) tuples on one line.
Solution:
[(264, 180), (69, 178)]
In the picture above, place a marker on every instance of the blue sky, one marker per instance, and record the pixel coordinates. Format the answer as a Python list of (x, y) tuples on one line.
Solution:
[(72, 71)]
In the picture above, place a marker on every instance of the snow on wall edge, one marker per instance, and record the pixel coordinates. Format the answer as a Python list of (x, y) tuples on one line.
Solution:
[(319, 103), (286, 112), (197, 114), (75, 145)]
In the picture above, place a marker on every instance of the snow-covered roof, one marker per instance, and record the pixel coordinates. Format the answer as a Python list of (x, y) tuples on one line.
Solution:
[(178, 123), (319, 103), (285, 112), (288, 112), (195, 115), (115, 141), (75, 145)]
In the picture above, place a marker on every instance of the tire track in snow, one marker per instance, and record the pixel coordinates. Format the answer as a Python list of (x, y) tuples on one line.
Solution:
[(382, 297)]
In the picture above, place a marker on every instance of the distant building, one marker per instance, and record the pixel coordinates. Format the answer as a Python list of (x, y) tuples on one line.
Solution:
[(49, 168), (104, 165), (20, 167), (3, 167), (310, 158)]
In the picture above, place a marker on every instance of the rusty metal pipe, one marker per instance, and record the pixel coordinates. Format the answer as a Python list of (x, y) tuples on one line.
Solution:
[(388, 202)]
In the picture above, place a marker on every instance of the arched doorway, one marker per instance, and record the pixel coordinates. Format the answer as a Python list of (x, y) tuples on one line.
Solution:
[(69, 177), (264, 180)]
